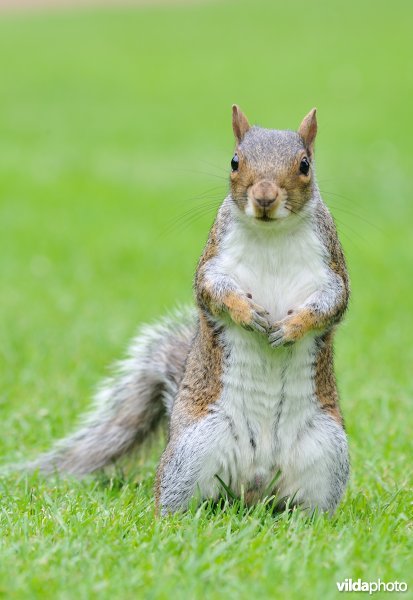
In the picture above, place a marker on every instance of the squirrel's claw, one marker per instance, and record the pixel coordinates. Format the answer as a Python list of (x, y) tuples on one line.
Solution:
[(259, 322), (276, 337), (259, 318), (290, 329)]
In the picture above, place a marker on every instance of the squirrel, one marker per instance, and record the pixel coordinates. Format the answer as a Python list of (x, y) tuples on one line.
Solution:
[(246, 379)]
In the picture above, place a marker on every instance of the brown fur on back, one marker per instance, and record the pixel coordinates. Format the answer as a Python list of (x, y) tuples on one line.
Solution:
[(201, 385), (325, 380)]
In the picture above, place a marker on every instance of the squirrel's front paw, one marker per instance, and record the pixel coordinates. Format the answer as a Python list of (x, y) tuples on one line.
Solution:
[(277, 337), (259, 319), (288, 330), (245, 312)]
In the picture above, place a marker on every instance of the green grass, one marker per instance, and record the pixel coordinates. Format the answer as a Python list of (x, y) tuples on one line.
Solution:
[(112, 124)]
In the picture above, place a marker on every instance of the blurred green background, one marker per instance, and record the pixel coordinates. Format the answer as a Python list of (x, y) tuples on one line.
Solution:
[(115, 142)]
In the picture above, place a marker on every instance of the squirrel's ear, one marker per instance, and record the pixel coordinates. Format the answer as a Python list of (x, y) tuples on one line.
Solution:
[(240, 123), (308, 130)]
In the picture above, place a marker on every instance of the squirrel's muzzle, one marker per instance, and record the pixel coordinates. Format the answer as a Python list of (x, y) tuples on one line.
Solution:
[(264, 196)]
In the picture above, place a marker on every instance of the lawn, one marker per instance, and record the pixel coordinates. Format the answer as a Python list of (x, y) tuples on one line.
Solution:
[(115, 142)]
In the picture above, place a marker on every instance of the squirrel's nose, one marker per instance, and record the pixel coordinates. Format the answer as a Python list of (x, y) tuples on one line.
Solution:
[(265, 202)]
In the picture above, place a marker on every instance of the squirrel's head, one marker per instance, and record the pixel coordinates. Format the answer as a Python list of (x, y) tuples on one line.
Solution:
[(272, 171)]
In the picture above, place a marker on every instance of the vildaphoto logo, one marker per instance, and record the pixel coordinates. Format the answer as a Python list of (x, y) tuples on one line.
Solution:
[(358, 585)]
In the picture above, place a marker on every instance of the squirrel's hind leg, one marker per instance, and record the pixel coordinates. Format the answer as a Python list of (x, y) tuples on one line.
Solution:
[(316, 475), (189, 466)]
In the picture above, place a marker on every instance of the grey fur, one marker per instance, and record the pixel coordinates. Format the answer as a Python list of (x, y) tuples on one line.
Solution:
[(130, 404), (186, 457), (270, 151), (338, 460)]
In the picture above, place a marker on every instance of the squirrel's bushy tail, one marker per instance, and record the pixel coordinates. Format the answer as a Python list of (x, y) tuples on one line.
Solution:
[(130, 404)]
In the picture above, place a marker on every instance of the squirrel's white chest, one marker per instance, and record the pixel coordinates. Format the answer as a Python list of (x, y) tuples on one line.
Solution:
[(267, 399), (268, 394), (279, 271)]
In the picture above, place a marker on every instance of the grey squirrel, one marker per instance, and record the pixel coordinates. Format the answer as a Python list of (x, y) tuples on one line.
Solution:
[(246, 379)]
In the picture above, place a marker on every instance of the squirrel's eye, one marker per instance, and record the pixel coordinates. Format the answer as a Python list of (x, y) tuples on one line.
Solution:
[(304, 166), (235, 162)]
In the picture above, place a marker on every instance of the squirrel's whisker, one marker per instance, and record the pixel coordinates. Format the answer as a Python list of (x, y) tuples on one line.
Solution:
[(206, 173), (220, 167)]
